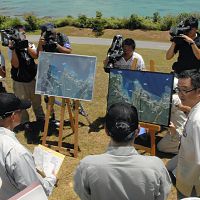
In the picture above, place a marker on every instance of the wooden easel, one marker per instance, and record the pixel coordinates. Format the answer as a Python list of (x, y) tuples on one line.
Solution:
[(151, 129), (73, 122)]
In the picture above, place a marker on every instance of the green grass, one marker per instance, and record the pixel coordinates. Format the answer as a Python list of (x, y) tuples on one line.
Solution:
[(95, 141)]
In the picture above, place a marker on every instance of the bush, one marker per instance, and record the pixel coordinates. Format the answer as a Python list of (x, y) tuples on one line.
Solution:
[(134, 22), (31, 20), (11, 22), (167, 22), (98, 24)]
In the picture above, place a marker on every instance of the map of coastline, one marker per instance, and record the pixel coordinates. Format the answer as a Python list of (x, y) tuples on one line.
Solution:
[(137, 88)]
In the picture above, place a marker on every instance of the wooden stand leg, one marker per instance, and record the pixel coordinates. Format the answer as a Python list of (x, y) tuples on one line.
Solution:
[(76, 128), (46, 125), (152, 66), (62, 114), (70, 114)]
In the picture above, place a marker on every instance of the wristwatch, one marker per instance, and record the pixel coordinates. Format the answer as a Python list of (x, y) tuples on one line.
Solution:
[(191, 43)]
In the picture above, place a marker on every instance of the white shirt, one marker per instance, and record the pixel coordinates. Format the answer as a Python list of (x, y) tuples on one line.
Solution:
[(178, 117), (123, 64), (121, 174), (17, 167), (188, 167)]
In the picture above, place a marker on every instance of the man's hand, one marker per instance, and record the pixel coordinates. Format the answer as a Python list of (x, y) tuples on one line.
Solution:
[(11, 44), (187, 39), (172, 128)]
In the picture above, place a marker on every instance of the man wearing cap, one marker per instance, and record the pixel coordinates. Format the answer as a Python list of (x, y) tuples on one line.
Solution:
[(52, 41), (120, 172), (17, 168)]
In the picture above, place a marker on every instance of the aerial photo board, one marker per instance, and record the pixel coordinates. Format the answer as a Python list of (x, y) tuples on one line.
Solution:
[(149, 92), (66, 75)]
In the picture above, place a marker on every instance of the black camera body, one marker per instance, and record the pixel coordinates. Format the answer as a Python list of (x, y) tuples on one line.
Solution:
[(15, 36), (183, 28), (49, 35), (115, 52), (50, 38)]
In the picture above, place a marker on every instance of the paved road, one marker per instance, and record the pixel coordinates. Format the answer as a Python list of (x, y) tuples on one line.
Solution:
[(103, 41)]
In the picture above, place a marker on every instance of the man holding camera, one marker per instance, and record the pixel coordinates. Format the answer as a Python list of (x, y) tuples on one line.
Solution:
[(126, 61), (52, 41), (186, 41), (23, 72)]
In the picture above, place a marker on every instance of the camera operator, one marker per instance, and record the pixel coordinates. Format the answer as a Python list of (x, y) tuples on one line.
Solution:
[(129, 54), (23, 72), (188, 46), (2, 73), (52, 41)]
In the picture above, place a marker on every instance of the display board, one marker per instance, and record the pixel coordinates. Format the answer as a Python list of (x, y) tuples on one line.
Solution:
[(66, 75), (149, 92)]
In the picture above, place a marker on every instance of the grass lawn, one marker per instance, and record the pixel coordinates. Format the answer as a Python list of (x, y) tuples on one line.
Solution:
[(92, 140)]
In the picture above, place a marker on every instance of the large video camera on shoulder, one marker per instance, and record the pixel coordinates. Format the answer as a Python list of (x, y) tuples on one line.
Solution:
[(182, 28), (17, 38), (49, 35), (115, 52)]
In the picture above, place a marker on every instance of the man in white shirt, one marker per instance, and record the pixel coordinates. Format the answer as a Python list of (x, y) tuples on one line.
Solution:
[(127, 60), (171, 141), (17, 167), (120, 172), (188, 162)]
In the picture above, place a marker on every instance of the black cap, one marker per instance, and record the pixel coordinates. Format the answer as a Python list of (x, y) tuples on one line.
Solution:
[(47, 27), (191, 22), (121, 121), (10, 103)]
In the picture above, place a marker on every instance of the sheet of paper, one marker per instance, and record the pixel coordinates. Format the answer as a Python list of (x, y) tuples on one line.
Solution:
[(47, 160)]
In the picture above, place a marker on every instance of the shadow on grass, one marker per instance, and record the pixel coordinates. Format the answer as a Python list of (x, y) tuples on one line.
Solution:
[(97, 125), (66, 148)]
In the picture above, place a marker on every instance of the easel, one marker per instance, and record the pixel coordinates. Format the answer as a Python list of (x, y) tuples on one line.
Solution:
[(150, 128), (73, 122)]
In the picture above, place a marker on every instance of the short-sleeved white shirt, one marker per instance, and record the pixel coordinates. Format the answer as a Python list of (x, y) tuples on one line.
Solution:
[(123, 64)]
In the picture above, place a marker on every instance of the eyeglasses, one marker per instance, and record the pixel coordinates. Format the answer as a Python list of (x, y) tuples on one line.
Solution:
[(183, 91), (7, 114)]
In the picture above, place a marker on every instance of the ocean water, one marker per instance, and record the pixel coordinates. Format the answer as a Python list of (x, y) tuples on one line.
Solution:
[(109, 8)]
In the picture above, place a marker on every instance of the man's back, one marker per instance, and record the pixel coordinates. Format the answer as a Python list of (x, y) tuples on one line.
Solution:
[(121, 173)]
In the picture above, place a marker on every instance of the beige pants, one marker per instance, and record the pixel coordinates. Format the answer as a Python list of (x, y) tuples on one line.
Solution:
[(169, 143), (27, 91)]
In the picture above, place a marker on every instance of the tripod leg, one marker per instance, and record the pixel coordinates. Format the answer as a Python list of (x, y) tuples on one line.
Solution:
[(83, 112)]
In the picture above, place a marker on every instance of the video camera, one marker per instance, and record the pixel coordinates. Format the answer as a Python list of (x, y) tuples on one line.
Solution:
[(182, 28), (17, 38), (49, 35), (115, 52)]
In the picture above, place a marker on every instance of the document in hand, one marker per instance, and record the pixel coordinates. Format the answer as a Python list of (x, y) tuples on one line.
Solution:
[(47, 160)]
